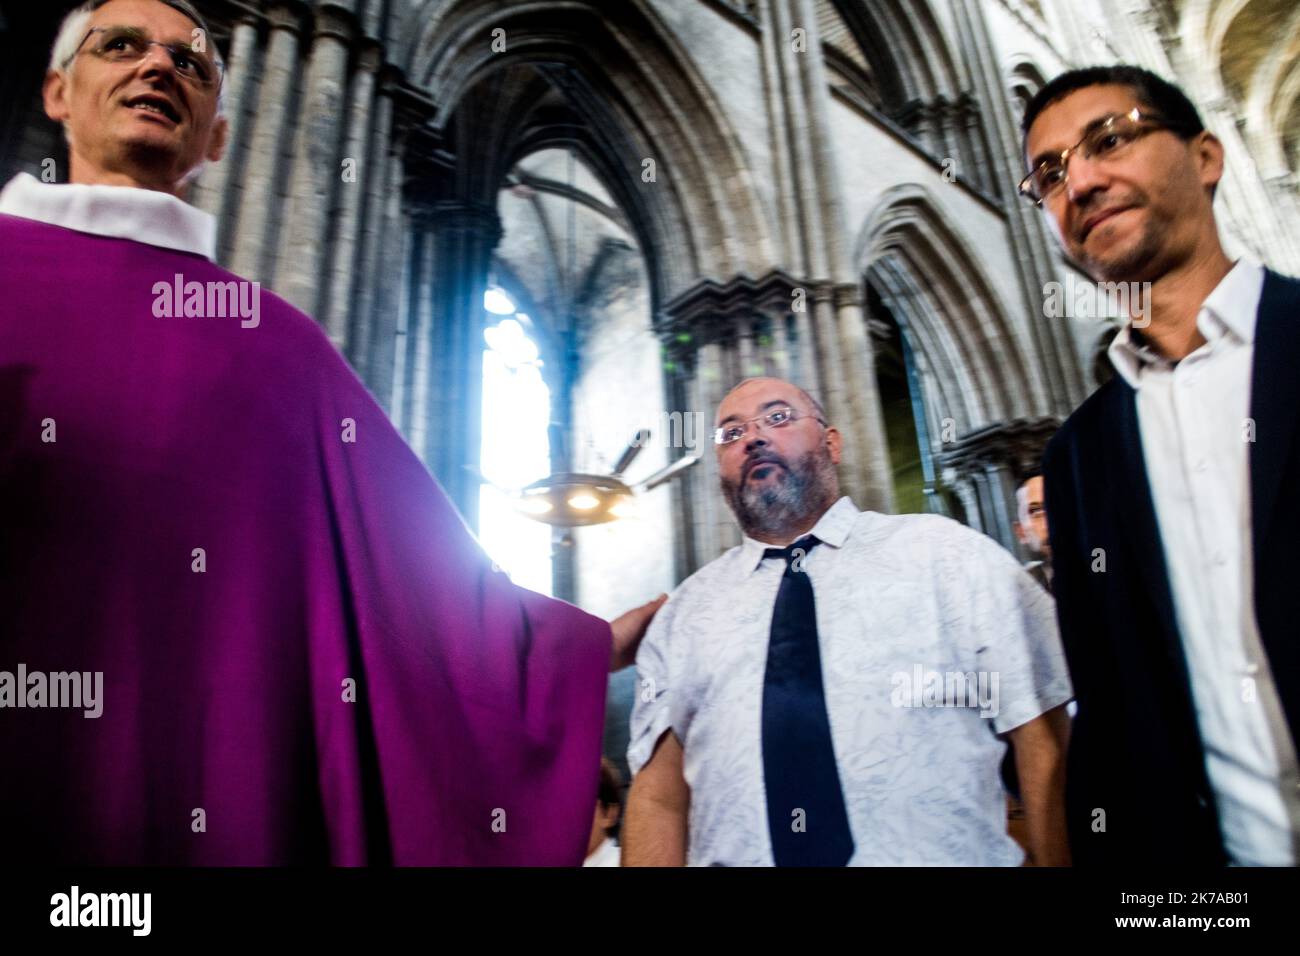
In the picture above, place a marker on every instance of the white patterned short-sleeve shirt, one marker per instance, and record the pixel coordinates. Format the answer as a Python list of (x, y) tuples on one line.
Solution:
[(933, 640)]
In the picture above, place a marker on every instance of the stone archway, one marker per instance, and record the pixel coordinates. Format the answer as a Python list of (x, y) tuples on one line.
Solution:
[(612, 85), (981, 396)]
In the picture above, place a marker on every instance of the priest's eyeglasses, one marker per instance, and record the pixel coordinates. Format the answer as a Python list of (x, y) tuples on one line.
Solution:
[(776, 418), (131, 45), (1107, 138)]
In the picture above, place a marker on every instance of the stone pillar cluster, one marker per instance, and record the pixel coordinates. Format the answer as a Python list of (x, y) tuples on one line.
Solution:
[(348, 190), (814, 234), (951, 128), (1061, 373), (308, 198)]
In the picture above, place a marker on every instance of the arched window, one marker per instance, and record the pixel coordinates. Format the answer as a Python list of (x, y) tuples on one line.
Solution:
[(515, 447)]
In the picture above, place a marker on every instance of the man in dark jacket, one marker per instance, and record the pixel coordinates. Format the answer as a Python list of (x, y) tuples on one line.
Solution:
[(1173, 532)]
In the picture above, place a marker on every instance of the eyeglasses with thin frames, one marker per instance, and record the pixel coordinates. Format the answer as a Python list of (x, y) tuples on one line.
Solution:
[(776, 418), (1108, 138), (130, 45)]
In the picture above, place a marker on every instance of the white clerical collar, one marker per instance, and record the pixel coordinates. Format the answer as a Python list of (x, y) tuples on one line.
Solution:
[(123, 212)]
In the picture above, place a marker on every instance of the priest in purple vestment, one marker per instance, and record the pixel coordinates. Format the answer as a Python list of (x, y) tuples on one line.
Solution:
[(240, 623)]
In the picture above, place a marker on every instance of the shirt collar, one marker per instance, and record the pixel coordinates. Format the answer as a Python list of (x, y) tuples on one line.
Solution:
[(122, 212), (1231, 308), (832, 528)]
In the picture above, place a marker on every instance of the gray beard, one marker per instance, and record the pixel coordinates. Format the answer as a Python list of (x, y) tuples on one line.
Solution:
[(783, 508)]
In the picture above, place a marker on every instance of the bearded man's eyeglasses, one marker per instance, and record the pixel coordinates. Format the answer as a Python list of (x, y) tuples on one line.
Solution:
[(776, 418)]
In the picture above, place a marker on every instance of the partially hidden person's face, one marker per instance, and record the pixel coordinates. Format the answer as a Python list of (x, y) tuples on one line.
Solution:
[(144, 119), (775, 477), (1032, 523), (1132, 215)]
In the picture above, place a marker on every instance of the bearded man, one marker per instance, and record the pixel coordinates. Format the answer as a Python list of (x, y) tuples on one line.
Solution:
[(846, 704)]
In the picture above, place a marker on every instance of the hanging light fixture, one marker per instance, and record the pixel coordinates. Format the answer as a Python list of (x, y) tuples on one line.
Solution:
[(575, 499), (497, 302)]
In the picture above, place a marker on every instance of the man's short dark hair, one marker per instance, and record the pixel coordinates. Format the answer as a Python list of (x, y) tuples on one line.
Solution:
[(1151, 91), (1029, 475)]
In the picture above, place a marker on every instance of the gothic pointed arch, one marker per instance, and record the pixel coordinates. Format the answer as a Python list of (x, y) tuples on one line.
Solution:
[(633, 96), (934, 282)]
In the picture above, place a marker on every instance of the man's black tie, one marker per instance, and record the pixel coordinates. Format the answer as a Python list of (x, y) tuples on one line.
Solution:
[(805, 805)]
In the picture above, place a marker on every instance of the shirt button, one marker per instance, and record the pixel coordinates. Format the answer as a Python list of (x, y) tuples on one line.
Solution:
[(1250, 669), (1202, 464), (1219, 559)]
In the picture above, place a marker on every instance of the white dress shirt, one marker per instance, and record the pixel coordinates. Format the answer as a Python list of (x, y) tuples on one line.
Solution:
[(123, 212), (898, 597), (1196, 435), (607, 854)]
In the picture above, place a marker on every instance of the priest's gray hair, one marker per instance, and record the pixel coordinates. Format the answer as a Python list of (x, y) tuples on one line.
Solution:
[(73, 29)]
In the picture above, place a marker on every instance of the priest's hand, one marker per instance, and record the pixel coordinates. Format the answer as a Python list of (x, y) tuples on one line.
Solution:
[(628, 630)]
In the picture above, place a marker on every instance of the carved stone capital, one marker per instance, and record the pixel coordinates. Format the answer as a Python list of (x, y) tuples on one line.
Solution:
[(1016, 445)]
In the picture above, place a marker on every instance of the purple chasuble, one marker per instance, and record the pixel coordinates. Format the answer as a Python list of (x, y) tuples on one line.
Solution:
[(305, 655)]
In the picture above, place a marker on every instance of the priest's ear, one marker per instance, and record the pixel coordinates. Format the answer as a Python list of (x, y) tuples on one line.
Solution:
[(54, 92), (219, 139)]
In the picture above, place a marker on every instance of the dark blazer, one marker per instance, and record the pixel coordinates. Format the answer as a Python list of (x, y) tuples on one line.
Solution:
[(1135, 751)]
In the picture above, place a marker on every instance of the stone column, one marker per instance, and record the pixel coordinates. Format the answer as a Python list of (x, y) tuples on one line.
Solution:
[(316, 167), (465, 234), (866, 417), (804, 363), (979, 480), (383, 220), (725, 531), (730, 361), (840, 408), (745, 350), (365, 148), (678, 390), (705, 396), (393, 399), (785, 16), (212, 192), (383, 279), (1002, 496), (778, 356), (1057, 375), (774, 100), (260, 204), (420, 347), (965, 492), (852, 399)]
